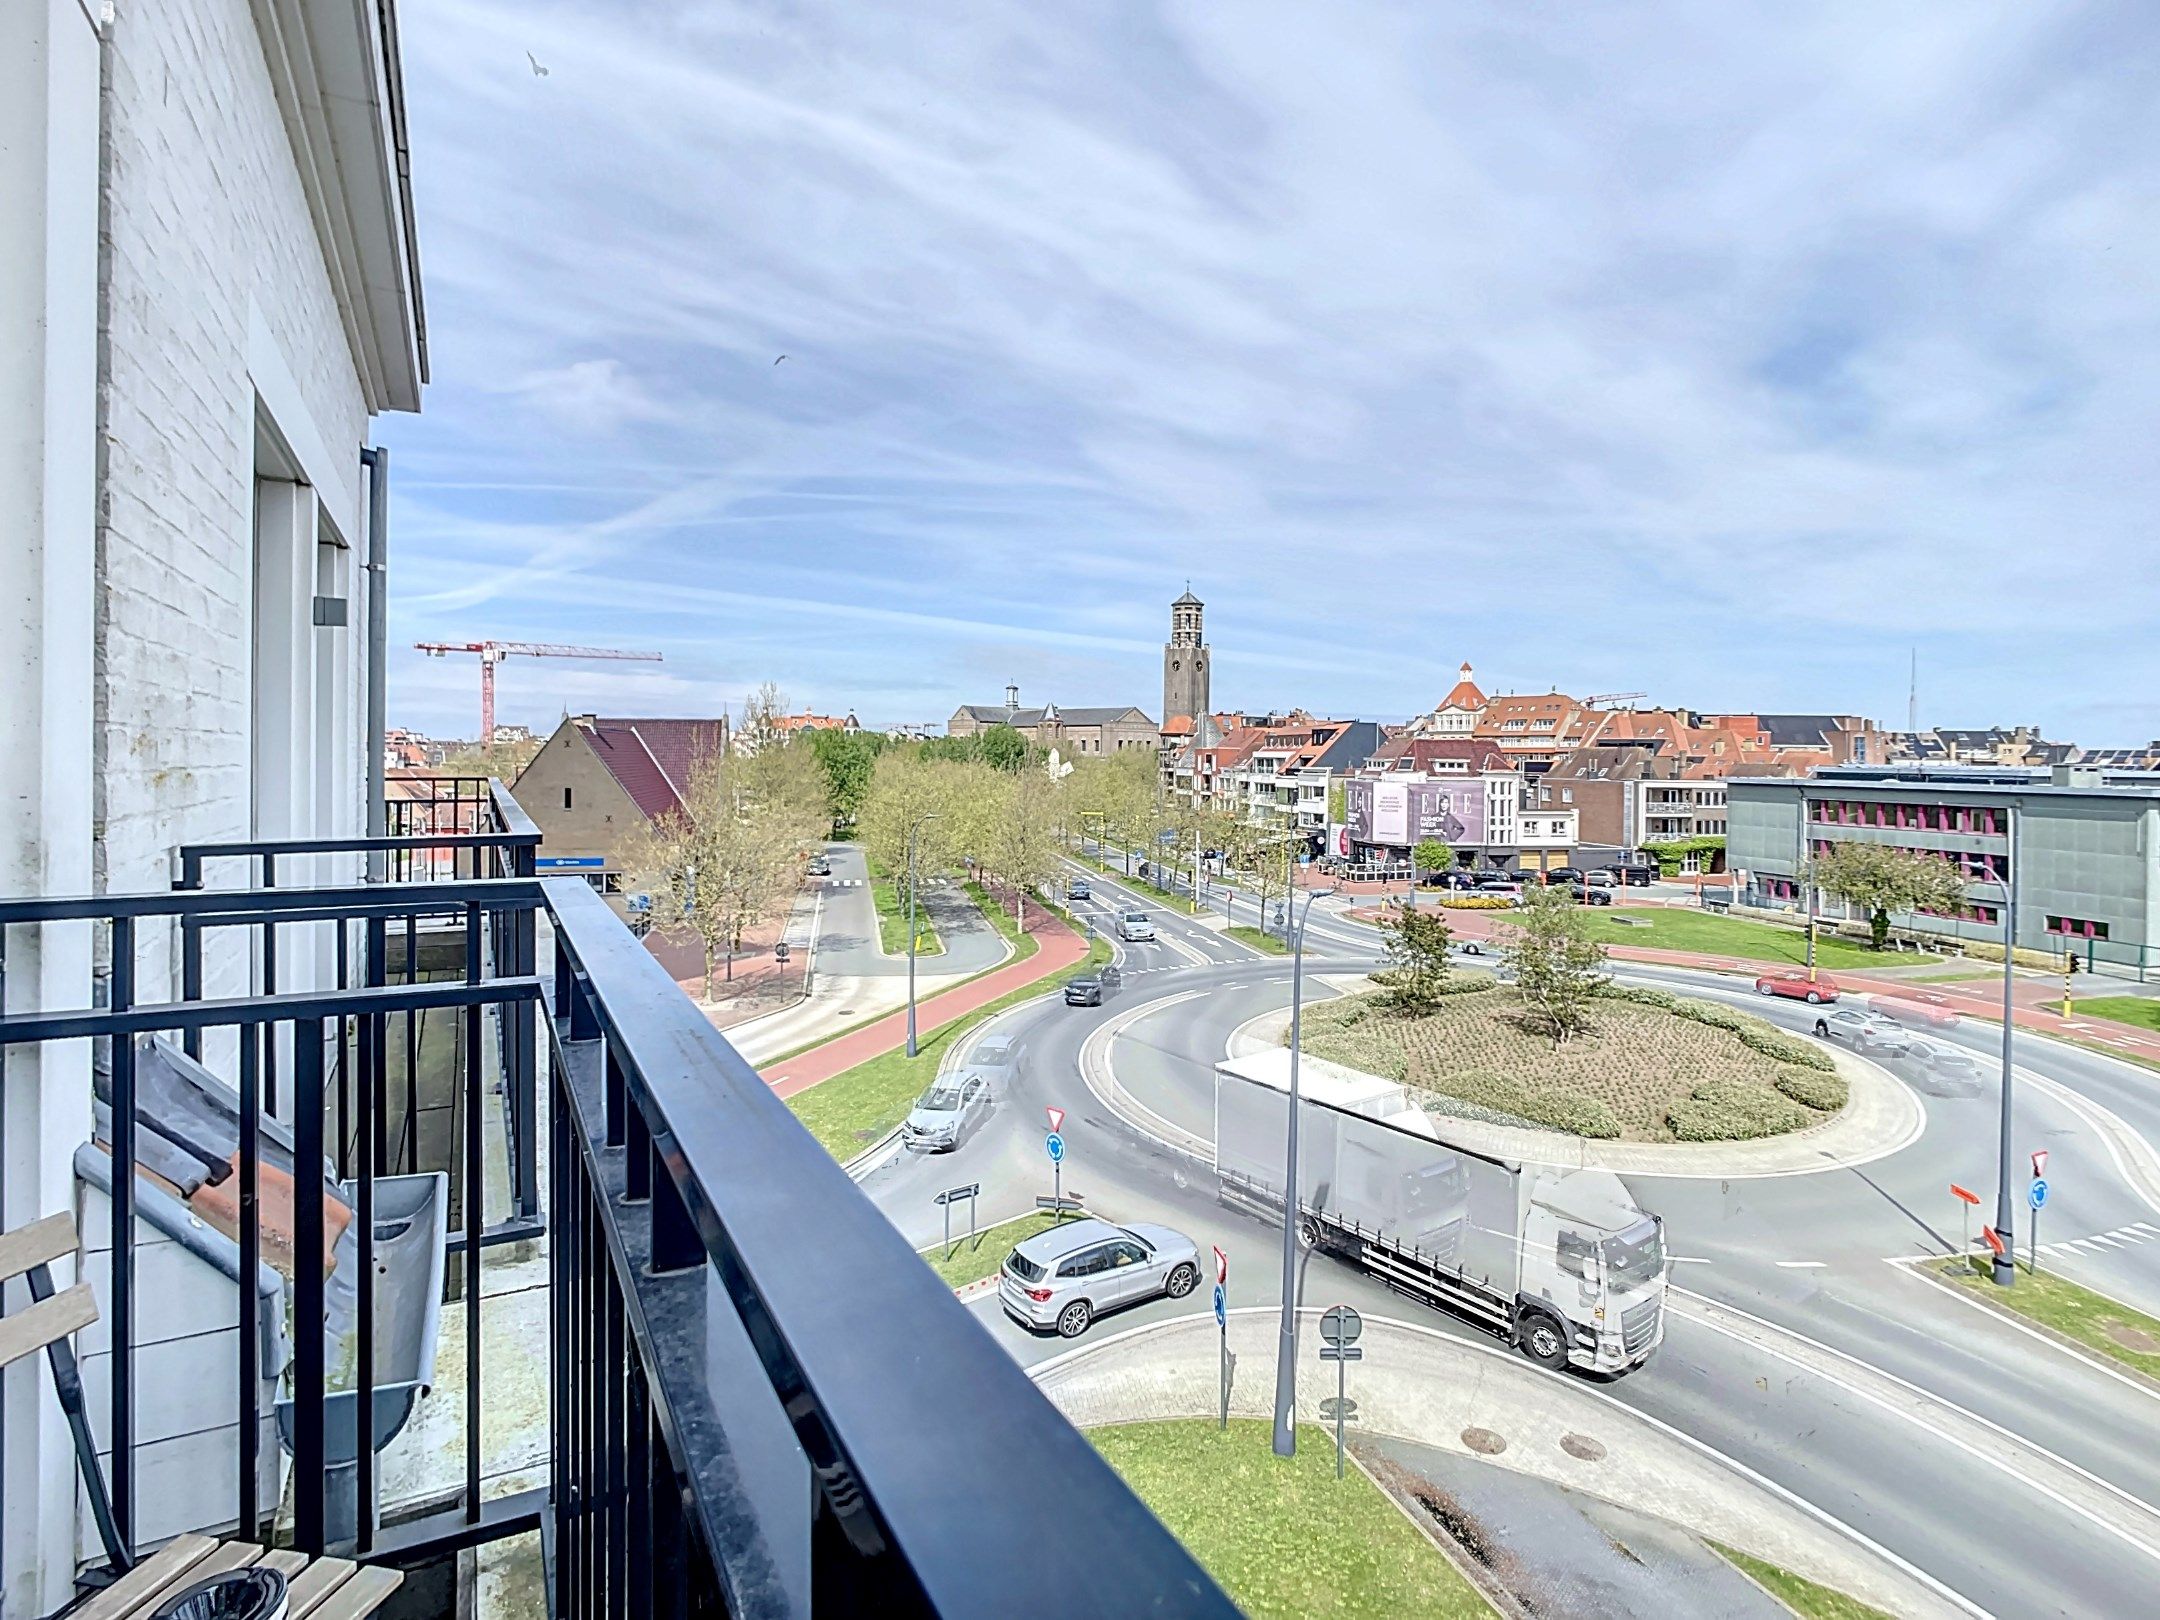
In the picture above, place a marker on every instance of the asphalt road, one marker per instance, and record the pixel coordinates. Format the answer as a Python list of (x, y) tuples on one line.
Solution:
[(847, 941), (1860, 1429)]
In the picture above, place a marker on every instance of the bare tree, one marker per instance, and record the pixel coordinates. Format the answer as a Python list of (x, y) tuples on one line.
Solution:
[(717, 865)]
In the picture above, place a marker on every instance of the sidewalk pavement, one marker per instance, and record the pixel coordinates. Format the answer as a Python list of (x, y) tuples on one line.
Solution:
[(757, 984), (1979, 998), (1430, 1387), (1057, 948)]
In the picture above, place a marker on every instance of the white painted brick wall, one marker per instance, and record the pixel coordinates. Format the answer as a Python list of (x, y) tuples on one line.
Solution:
[(207, 219)]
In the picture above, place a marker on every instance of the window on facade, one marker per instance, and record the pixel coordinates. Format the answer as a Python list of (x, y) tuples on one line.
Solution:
[(566, 798), (2077, 927)]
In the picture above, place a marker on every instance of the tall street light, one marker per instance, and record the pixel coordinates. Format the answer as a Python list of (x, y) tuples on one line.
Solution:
[(920, 821), (1286, 1343), (2005, 1269)]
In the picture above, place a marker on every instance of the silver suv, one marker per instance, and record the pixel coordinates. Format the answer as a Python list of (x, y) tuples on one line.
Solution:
[(1066, 1277)]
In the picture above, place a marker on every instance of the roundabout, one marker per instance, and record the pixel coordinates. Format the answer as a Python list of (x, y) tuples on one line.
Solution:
[(1799, 1344)]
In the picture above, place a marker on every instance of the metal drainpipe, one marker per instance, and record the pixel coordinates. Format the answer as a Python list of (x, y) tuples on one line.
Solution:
[(377, 462)]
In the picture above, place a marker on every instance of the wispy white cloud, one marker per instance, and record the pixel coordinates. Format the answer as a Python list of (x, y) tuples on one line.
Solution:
[(1721, 350)]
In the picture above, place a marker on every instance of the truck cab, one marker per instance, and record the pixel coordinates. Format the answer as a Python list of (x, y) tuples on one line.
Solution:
[(1594, 1268)]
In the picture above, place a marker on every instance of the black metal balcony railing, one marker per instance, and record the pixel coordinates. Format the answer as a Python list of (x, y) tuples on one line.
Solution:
[(762, 1402)]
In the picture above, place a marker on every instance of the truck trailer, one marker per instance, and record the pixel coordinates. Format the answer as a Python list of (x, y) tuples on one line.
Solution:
[(1561, 1263)]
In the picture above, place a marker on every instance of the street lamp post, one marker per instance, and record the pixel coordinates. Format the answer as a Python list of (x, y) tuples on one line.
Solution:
[(920, 821), (2005, 1268), (1286, 1346)]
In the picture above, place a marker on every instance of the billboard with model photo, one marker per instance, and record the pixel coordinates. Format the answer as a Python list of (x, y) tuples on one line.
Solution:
[(1398, 814)]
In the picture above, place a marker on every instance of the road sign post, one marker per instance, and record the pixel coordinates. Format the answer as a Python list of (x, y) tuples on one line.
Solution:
[(1054, 1145), (1222, 1328), (1966, 1201), (1339, 1330), (2037, 1196), (954, 1195)]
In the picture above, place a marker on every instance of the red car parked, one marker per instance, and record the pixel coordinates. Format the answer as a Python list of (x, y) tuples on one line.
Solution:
[(1798, 986)]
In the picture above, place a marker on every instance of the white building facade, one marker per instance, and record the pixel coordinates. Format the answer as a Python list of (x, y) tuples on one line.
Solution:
[(184, 510)]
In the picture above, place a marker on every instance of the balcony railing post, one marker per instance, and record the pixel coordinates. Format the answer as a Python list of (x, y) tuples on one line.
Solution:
[(675, 1244), (120, 999), (471, 1200), (309, 1371), (190, 950), (524, 1077), (249, 1407)]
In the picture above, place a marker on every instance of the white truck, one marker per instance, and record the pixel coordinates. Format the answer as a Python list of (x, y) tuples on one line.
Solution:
[(1559, 1262)]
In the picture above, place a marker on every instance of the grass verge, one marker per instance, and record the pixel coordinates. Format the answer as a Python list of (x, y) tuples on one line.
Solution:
[(1259, 940), (857, 1106), (890, 899), (2138, 1011), (1675, 929), (1809, 1599), (971, 1262), (1284, 1540), (2091, 1320)]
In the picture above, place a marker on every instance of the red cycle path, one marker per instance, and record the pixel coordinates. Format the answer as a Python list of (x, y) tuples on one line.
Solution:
[(1982, 998), (1056, 948)]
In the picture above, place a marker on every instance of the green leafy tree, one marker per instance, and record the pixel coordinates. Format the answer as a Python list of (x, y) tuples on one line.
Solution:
[(1559, 966), (1880, 880), (847, 759), (1416, 974), (905, 786), (1003, 748), (1015, 832), (1433, 855)]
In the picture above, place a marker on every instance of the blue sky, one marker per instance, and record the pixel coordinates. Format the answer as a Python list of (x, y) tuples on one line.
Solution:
[(1721, 351)]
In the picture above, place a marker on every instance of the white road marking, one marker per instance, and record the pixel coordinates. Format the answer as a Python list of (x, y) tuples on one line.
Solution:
[(1691, 1260), (2098, 1366), (2147, 1228), (2088, 1243), (2109, 1239), (1803, 1265), (2139, 1533)]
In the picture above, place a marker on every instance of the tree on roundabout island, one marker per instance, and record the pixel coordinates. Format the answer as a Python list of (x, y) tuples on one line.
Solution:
[(1416, 974), (1559, 966)]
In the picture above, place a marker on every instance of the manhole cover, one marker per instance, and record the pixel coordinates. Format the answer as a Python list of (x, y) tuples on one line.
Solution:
[(2131, 1338), (1484, 1442), (1582, 1446)]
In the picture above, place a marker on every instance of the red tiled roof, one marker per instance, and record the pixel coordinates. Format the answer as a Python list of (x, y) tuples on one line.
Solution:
[(653, 759)]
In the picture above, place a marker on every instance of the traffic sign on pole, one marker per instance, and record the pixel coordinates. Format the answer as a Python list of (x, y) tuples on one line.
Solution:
[(1057, 1118), (1222, 1266), (2037, 1195), (1339, 1325), (1054, 1145), (2039, 1161), (1222, 1315)]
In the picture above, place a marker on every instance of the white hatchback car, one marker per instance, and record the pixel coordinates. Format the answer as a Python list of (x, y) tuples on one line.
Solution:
[(1135, 925)]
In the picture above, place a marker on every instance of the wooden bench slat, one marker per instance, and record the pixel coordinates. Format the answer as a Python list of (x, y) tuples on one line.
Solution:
[(38, 1244), (366, 1592), (168, 1563), (315, 1583), (229, 1555), (226, 1555), (285, 1560), (27, 1332)]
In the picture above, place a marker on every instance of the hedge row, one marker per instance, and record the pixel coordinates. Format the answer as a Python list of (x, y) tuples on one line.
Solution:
[(1734, 1111), (1825, 1093), (1753, 1033), (1476, 902)]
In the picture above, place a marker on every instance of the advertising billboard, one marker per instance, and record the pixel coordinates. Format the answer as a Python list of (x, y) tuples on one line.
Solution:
[(1398, 814)]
